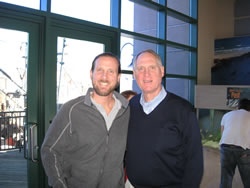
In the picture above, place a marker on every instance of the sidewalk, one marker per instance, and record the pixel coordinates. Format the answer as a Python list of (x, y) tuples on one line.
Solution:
[(13, 169), (211, 176)]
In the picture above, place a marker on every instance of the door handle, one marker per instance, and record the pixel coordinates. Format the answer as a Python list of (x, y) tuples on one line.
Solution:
[(32, 142)]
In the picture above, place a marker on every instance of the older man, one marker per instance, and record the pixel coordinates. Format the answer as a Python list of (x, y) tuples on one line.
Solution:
[(85, 144), (164, 143)]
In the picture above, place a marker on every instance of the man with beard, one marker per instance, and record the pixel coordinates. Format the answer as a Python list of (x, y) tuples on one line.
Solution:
[(85, 144)]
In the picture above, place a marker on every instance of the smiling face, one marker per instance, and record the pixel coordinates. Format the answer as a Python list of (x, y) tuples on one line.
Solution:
[(105, 77), (148, 74)]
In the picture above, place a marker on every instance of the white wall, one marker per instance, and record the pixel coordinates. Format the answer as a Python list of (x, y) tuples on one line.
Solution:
[(215, 20)]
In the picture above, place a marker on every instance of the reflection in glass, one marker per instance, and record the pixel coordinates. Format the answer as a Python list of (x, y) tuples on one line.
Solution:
[(95, 10), (180, 87), (179, 5), (138, 18), (74, 60), (127, 53), (178, 31), (130, 48), (178, 61), (140, 45)]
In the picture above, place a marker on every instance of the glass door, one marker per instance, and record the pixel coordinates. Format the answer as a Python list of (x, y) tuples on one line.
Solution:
[(70, 52), (13, 93), (74, 60), (20, 100), (44, 62)]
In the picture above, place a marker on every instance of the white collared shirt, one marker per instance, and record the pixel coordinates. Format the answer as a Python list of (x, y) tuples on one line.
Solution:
[(148, 107)]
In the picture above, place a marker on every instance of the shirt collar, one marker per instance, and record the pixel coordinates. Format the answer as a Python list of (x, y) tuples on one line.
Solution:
[(148, 107)]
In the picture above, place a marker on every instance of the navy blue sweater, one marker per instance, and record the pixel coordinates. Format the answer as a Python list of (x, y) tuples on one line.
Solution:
[(164, 147)]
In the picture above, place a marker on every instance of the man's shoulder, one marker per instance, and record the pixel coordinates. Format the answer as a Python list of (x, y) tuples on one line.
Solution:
[(231, 115), (121, 98), (176, 100), (73, 102), (232, 112)]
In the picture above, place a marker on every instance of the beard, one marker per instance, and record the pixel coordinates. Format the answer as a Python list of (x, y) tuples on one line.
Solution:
[(106, 92)]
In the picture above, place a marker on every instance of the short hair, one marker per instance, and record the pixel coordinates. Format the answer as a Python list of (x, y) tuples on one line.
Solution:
[(128, 93), (244, 104), (106, 54), (152, 52)]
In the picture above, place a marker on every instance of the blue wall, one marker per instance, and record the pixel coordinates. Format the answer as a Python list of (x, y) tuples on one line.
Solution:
[(231, 71)]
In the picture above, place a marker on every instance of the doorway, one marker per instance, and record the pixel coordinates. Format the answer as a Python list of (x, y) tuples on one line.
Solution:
[(53, 67), (13, 93)]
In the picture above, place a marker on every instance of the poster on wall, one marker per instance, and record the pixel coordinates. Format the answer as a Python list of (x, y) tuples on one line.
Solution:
[(235, 94)]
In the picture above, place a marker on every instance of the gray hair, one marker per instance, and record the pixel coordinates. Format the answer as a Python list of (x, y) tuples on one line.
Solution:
[(152, 52)]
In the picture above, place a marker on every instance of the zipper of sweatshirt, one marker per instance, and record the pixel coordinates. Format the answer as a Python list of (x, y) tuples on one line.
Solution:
[(106, 150), (118, 115), (107, 142)]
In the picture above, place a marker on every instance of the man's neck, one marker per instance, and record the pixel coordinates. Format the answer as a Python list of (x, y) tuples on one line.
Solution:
[(106, 101), (150, 96)]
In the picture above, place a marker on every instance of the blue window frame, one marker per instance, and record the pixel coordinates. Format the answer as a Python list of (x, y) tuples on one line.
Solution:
[(167, 26)]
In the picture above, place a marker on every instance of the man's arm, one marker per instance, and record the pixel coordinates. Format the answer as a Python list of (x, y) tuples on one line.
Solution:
[(194, 153), (52, 150)]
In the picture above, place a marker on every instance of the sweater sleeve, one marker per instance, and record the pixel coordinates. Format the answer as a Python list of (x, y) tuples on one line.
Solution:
[(194, 166), (52, 149)]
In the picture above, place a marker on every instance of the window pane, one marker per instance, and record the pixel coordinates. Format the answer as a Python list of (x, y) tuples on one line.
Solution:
[(142, 45), (179, 5), (180, 87), (127, 53), (179, 62), (138, 18), (30, 4), (74, 60), (127, 82), (130, 48), (177, 31), (13, 69), (14, 47), (95, 10)]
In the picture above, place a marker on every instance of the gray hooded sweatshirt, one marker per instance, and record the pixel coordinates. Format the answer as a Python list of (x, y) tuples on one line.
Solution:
[(79, 152)]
